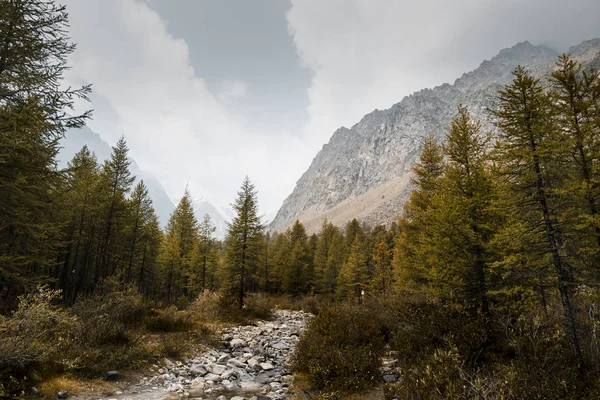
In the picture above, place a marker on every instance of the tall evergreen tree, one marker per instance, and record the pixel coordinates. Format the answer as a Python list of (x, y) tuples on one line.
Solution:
[(296, 275), (353, 278), (244, 241), (34, 47), (411, 262), (117, 180), (527, 153), (575, 105), (204, 258)]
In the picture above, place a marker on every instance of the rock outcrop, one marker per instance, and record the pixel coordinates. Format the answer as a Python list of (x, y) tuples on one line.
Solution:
[(364, 172)]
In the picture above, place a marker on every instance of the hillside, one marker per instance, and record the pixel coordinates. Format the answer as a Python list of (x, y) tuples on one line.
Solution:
[(364, 172)]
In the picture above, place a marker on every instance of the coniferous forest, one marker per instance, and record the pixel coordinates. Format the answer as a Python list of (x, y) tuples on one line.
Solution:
[(486, 287)]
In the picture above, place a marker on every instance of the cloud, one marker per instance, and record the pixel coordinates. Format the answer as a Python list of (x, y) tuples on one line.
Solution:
[(232, 91), (145, 88), (368, 54)]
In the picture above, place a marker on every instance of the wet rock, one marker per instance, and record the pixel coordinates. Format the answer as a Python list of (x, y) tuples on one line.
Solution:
[(111, 376)]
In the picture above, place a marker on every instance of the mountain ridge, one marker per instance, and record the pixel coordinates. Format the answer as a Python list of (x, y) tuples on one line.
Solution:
[(364, 171)]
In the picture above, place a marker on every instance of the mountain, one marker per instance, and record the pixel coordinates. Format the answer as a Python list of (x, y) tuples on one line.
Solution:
[(202, 207), (364, 172)]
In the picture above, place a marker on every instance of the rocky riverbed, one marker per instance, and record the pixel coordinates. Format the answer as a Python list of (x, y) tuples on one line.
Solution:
[(251, 364)]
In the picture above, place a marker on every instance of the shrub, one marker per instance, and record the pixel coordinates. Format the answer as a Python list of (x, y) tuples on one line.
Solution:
[(211, 307), (112, 314), (340, 350), (169, 320), (174, 345), (259, 306), (34, 337)]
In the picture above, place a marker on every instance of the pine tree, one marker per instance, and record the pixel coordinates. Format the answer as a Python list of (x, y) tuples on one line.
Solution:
[(244, 241), (527, 153)]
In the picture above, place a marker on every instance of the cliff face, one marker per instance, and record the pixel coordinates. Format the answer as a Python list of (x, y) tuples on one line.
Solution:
[(364, 172)]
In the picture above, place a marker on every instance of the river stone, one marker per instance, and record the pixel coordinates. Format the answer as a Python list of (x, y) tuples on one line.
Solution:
[(237, 342), (250, 385), (217, 369), (212, 377), (234, 362), (198, 370), (266, 366), (228, 374), (62, 394)]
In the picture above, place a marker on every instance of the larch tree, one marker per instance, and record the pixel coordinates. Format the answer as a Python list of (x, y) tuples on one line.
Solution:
[(34, 47), (463, 212), (117, 179), (353, 277), (527, 152), (411, 263), (244, 241), (575, 105), (204, 258), (296, 274)]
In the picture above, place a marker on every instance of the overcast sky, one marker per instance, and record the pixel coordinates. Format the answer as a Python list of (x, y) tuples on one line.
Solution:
[(207, 92)]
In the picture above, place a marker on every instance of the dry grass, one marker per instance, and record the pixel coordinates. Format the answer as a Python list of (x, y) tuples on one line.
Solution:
[(49, 388)]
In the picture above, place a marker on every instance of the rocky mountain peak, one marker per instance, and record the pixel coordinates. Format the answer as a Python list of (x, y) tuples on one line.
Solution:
[(364, 171)]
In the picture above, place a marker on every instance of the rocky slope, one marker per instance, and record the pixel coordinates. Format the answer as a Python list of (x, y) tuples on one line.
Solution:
[(364, 172)]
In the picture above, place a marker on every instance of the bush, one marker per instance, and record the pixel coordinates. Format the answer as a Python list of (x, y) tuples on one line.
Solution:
[(340, 350), (259, 306), (34, 337), (169, 320), (211, 307)]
